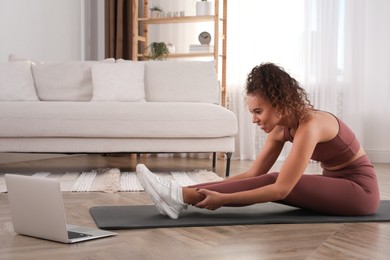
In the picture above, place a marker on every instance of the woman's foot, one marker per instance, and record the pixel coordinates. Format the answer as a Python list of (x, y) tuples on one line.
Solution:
[(164, 192)]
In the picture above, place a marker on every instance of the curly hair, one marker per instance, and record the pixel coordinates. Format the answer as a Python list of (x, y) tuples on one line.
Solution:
[(283, 92)]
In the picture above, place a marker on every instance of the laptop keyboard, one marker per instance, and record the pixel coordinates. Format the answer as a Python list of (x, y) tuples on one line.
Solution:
[(72, 235)]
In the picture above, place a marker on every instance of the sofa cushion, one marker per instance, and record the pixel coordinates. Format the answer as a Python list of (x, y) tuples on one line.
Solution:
[(16, 82), (118, 81), (186, 81), (64, 81), (116, 120)]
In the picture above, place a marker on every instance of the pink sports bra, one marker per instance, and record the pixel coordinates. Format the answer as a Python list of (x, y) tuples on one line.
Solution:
[(336, 151)]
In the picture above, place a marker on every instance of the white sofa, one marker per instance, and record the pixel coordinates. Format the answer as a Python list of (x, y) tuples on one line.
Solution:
[(113, 107)]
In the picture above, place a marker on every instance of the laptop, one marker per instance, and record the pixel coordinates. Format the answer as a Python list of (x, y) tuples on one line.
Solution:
[(37, 210)]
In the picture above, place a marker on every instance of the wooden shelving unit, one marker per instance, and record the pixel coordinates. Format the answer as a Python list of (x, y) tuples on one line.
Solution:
[(140, 40), (183, 19)]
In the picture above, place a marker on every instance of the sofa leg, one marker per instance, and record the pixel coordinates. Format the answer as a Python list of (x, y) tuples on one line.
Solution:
[(214, 161), (228, 158)]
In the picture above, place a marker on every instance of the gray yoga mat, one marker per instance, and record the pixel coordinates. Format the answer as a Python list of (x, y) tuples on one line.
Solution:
[(146, 216)]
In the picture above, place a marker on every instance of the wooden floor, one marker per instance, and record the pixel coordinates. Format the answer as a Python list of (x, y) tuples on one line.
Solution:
[(297, 241)]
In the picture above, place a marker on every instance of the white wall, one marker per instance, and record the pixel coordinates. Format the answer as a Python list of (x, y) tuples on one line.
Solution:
[(52, 30), (41, 29), (377, 82)]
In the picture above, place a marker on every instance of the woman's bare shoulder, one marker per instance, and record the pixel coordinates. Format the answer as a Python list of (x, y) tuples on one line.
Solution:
[(323, 123), (277, 134)]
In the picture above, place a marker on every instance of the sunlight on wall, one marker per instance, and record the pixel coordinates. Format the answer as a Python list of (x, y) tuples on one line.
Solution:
[(267, 31)]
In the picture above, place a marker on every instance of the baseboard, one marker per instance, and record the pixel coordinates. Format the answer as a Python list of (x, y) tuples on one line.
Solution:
[(24, 157), (378, 156)]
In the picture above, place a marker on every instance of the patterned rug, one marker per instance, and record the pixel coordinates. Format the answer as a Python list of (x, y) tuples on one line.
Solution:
[(113, 180)]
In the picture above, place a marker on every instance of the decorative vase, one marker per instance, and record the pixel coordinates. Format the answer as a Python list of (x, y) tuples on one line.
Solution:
[(155, 14), (171, 48), (204, 8)]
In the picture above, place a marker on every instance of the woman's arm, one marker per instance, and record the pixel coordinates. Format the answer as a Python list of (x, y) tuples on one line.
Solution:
[(305, 140)]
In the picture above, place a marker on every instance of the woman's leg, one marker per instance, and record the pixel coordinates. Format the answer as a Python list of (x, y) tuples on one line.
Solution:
[(191, 196), (350, 191), (353, 191), (333, 196)]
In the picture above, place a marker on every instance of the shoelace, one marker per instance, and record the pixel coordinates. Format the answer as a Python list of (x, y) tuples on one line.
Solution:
[(164, 181)]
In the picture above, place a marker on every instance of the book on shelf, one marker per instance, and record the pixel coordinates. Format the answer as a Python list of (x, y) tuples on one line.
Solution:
[(201, 48)]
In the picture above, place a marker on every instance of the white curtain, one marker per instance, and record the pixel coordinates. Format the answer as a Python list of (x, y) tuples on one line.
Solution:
[(319, 42)]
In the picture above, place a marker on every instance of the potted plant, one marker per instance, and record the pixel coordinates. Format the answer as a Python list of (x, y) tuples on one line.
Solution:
[(155, 11), (158, 51), (204, 7)]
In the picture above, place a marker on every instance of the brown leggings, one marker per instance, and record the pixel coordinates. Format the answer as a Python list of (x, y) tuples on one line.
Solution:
[(350, 191)]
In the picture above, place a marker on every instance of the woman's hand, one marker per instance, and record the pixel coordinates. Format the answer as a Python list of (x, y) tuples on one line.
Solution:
[(212, 201)]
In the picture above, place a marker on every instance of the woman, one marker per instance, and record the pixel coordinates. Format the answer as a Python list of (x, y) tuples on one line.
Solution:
[(280, 107)]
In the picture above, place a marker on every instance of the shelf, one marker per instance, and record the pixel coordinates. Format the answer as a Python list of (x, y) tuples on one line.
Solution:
[(181, 19), (140, 39), (186, 55)]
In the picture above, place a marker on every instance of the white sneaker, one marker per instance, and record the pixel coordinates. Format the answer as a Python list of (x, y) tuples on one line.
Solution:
[(162, 191)]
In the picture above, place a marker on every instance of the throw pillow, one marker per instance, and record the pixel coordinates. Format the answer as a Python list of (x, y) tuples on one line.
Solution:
[(186, 81), (16, 82), (65, 81), (62, 81), (13, 57), (122, 81)]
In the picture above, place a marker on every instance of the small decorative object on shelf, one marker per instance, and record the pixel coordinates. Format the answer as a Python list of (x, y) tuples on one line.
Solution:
[(204, 38), (171, 47), (201, 48), (158, 51), (156, 11), (204, 8)]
